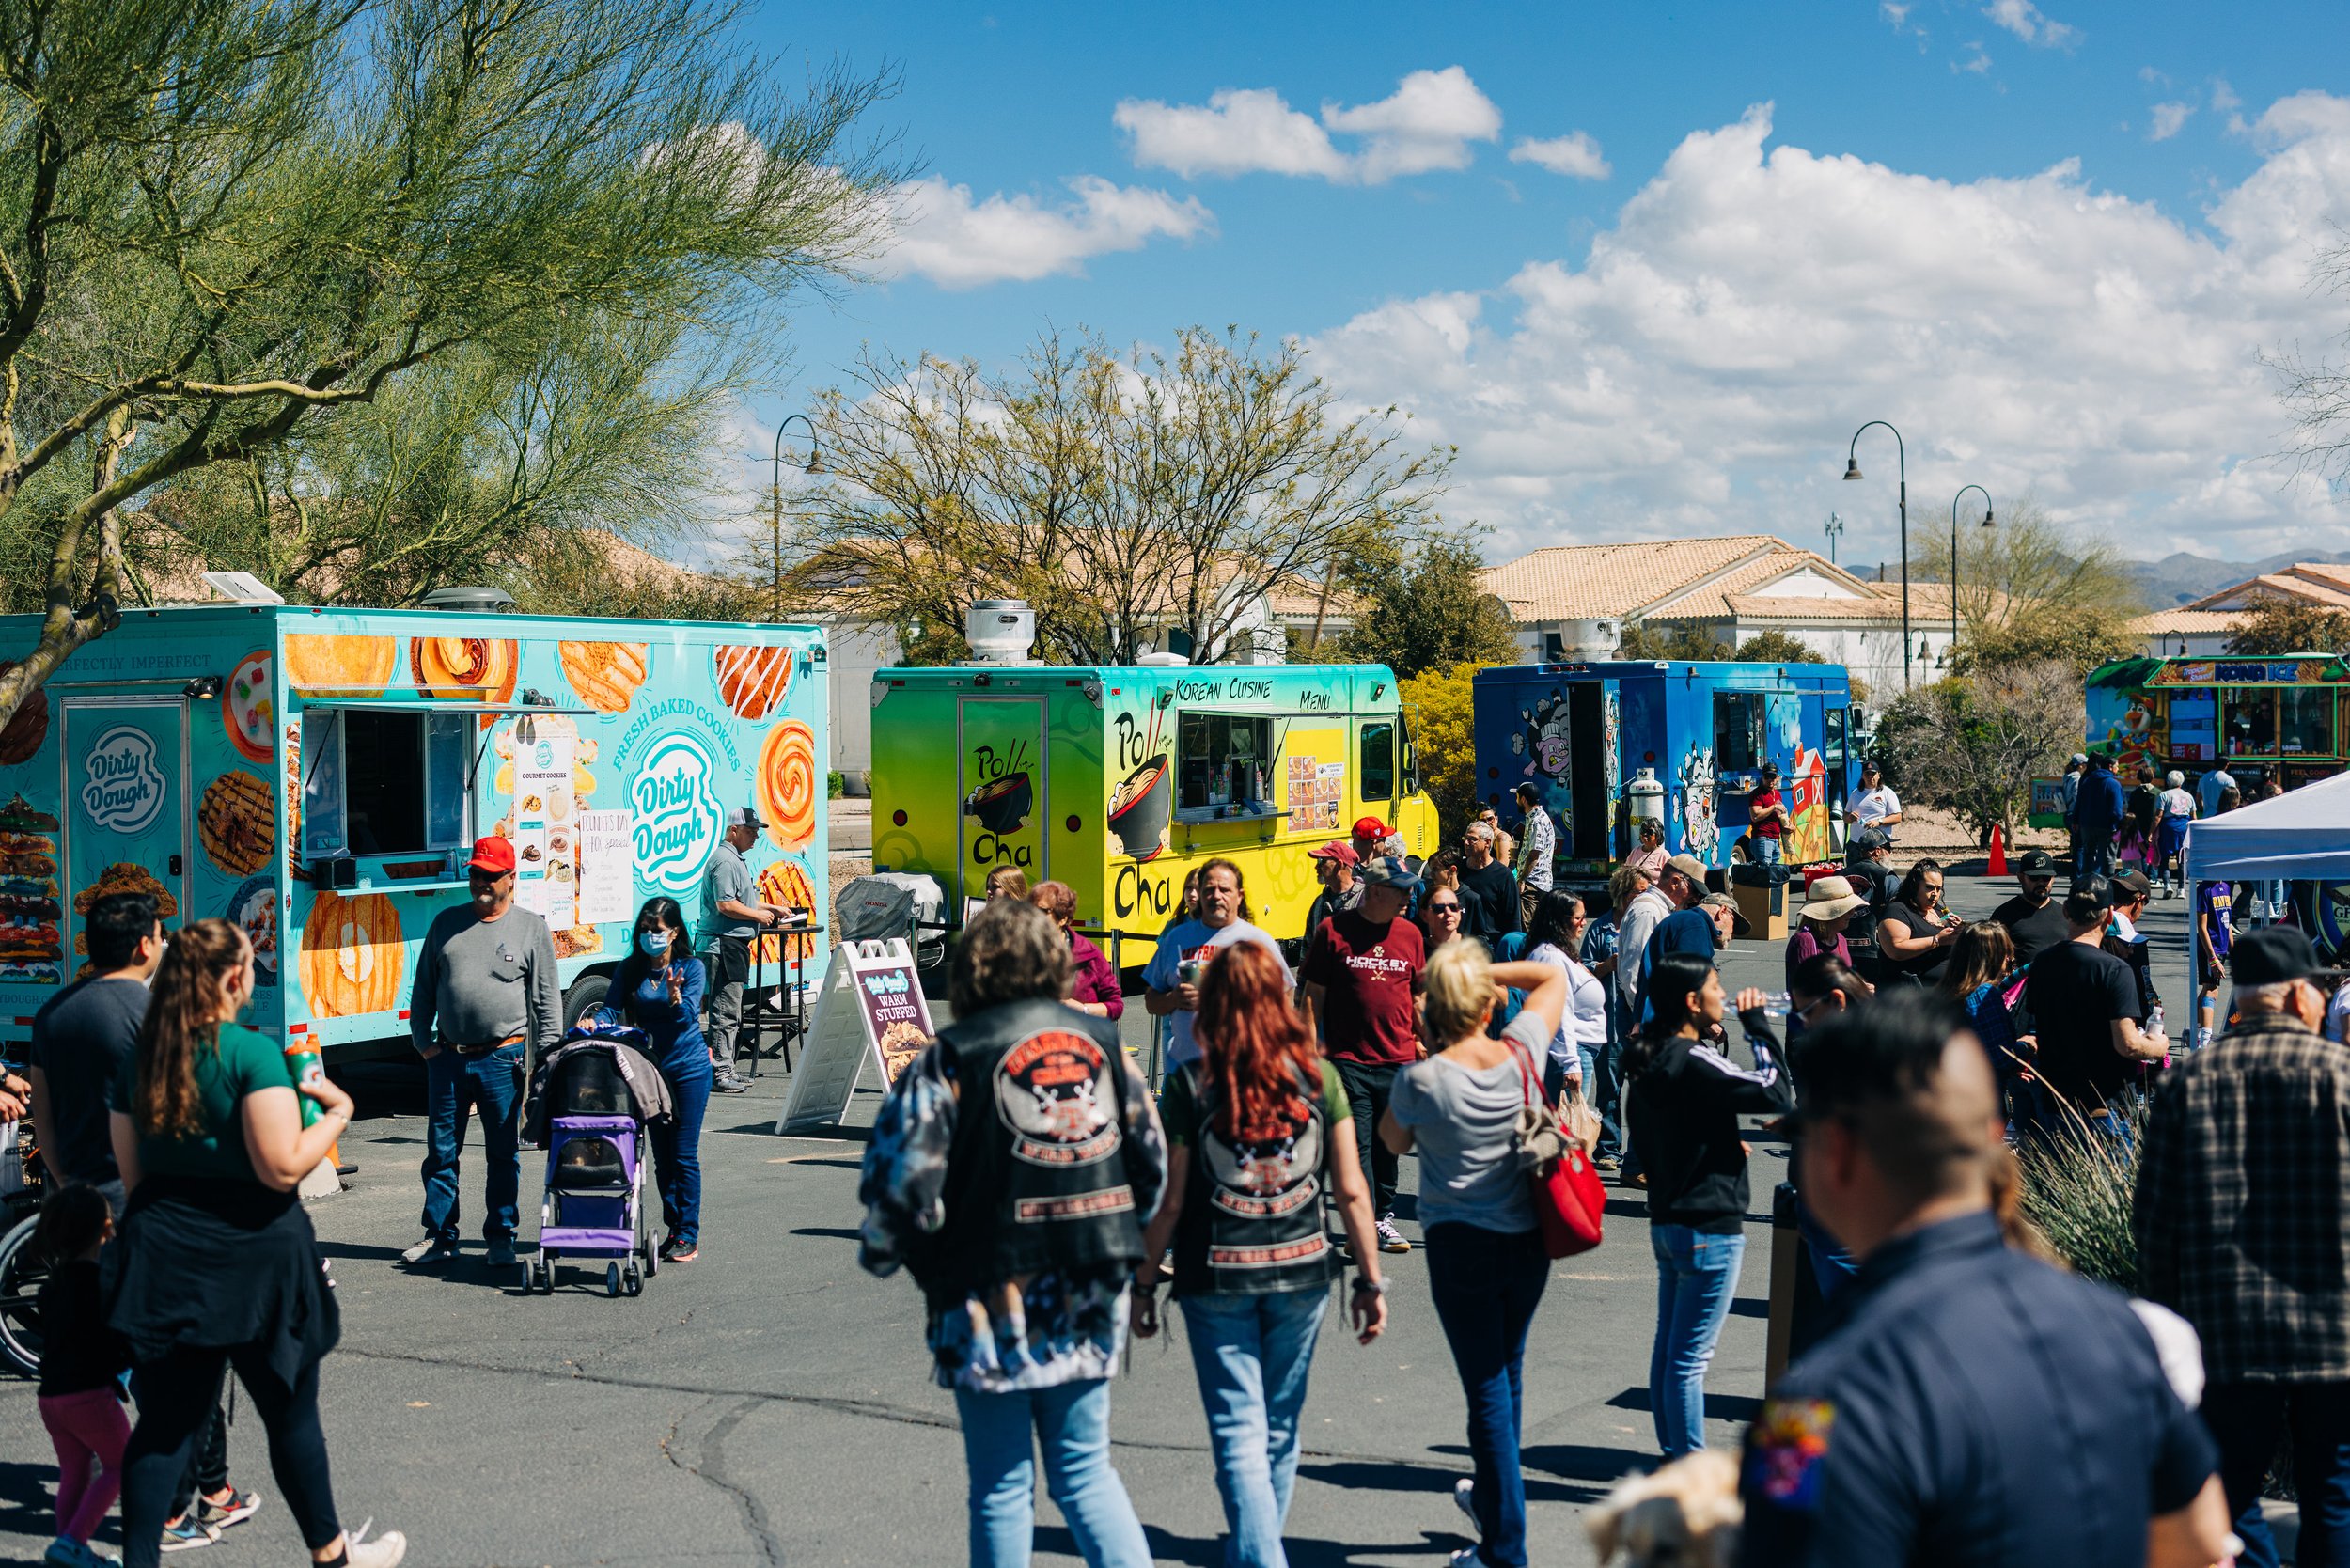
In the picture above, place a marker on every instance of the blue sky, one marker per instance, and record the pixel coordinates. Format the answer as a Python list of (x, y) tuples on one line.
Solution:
[(2052, 244)]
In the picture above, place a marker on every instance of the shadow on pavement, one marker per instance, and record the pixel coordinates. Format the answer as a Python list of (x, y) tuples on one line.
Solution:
[(1719, 1407), (1392, 1477)]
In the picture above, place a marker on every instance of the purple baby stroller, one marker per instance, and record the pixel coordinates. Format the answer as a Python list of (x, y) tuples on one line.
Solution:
[(590, 1113)]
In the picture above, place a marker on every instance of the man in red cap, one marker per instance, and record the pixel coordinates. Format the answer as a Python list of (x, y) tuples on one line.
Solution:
[(1368, 831), (1334, 865), (485, 1004)]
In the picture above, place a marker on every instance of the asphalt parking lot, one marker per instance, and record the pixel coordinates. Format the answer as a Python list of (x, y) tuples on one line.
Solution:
[(770, 1403)]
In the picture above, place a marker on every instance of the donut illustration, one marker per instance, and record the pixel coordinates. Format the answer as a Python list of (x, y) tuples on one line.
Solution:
[(605, 674), (753, 681), (786, 784), (480, 669), (320, 664)]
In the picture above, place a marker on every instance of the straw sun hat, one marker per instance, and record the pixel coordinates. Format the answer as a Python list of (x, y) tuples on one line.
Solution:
[(1830, 897)]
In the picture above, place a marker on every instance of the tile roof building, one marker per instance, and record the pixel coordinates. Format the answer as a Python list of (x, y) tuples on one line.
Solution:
[(1732, 587), (2204, 625)]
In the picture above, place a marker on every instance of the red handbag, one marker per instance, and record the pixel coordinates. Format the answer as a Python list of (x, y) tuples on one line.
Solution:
[(1569, 1200)]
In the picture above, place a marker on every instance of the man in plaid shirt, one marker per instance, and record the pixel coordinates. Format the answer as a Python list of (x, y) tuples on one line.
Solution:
[(2243, 1222), (1537, 852)]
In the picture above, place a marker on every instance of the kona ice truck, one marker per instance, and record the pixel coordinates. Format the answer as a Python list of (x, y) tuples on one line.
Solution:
[(319, 776), (1683, 743), (1120, 779)]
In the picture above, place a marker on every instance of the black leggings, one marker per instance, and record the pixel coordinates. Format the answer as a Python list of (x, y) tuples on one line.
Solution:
[(181, 1393)]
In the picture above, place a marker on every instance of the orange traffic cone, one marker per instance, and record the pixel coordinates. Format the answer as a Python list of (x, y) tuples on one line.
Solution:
[(1998, 854)]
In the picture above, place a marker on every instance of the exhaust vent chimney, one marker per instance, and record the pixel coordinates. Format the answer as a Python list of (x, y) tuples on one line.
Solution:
[(999, 630), (469, 599)]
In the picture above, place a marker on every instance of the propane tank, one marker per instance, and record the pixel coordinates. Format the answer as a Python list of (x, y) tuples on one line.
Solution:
[(1646, 797)]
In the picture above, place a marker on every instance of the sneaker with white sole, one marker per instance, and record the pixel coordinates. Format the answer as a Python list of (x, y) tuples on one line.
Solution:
[(385, 1551), (1391, 1239), (187, 1533), (237, 1507), (430, 1253)]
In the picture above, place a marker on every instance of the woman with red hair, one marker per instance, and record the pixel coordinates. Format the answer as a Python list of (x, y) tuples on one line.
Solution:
[(1251, 1148)]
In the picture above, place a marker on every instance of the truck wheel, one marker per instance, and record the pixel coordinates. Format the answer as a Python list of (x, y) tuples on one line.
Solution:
[(585, 994)]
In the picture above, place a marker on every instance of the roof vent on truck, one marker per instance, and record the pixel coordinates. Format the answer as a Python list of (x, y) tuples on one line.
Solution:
[(469, 599), (999, 630)]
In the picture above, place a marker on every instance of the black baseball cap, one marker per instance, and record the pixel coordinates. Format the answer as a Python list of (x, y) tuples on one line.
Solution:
[(2090, 896), (2272, 955), (2133, 881), (2035, 862)]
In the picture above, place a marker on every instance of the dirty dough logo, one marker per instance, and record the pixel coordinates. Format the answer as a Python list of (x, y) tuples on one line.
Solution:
[(676, 814), (123, 790), (1052, 1092)]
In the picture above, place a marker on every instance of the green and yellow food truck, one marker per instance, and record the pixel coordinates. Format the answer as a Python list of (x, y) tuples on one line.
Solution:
[(1118, 779)]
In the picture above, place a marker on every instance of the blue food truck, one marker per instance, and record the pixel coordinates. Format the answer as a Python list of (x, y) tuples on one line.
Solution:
[(1680, 742)]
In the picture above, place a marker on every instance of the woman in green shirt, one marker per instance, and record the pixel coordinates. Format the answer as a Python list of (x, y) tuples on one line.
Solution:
[(217, 1265)]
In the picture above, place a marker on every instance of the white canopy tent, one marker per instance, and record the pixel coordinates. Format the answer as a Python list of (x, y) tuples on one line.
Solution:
[(2302, 835)]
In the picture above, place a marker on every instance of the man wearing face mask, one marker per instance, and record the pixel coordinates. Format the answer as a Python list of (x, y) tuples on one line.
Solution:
[(485, 1004)]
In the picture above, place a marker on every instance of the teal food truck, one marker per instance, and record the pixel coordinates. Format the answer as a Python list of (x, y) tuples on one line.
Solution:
[(319, 775)]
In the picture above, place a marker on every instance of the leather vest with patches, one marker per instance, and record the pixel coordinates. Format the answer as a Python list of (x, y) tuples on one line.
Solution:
[(1251, 1222), (1039, 1162)]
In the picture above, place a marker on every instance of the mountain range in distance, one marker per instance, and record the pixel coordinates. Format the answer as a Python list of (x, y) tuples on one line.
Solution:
[(2181, 578)]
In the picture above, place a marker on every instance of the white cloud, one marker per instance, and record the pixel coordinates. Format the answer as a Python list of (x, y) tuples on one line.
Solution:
[(1576, 155), (2030, 24), (2167, 118), (1977, 61), (1241, 130), (1702, 369), (2223, 98), (943, 235), (1426, 123)]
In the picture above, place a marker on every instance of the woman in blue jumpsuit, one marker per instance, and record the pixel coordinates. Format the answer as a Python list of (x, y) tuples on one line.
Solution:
[(658, 989)]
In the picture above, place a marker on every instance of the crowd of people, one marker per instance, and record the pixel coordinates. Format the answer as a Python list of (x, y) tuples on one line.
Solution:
[(1434, 1009)]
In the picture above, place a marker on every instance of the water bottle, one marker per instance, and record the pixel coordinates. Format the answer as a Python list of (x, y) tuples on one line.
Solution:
[(306, 1066), (2153, 1022)]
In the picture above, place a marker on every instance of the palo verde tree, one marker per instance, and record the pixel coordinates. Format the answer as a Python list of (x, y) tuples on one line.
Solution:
[(227, 224), (1124, 496)]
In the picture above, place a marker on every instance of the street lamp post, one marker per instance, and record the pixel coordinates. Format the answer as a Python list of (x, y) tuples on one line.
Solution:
[(1986, 523), (1852, 471), (815, 465)]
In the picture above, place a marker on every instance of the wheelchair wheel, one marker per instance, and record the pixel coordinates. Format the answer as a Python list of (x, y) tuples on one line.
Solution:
[(23, 1271), (612, 1279), (633, 1278)]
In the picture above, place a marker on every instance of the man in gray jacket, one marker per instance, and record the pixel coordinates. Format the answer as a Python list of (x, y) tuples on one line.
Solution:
[(485, 1004)]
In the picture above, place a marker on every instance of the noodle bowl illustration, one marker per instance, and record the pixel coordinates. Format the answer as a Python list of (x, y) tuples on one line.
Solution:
[(1138, 809), (1003, 804)]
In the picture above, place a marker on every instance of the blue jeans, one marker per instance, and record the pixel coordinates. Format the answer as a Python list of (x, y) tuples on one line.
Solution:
[(2245, 1419), (1486, 1285), (1696, 1273), (1072, 1420), (454, 1086), (1252, 1354), (1766, 849), (677, 1143), (1606, 1090)]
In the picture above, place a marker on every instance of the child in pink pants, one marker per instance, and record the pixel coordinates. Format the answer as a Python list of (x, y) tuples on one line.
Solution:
[(81, 1403)]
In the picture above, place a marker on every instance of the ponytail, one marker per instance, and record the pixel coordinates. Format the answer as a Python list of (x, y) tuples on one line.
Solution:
[(184, 1016), (1676, 978)]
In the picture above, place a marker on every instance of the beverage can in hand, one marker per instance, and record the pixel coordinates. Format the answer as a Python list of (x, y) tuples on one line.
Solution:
[(304, 1065)]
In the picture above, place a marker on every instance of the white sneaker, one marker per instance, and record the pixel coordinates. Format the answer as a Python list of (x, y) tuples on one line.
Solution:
[(385, 1551), (1462, 1490)]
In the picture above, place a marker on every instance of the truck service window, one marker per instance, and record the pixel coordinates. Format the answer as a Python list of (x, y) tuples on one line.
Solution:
[(1737, 731), (2306, 720), (2249, 717), (1226, 760), (382, 783), (1378, 760)]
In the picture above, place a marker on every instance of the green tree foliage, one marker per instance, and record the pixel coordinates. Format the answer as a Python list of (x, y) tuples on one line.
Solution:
[(226, 225), (2275, 626), (1437, 707), (2031, 590), (1971, 744), (1777, 648), (1122, 495), (1428, 612), (1643, 641)]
